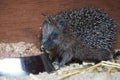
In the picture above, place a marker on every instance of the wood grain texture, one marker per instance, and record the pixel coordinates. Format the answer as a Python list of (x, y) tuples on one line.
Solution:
[(20, 20)]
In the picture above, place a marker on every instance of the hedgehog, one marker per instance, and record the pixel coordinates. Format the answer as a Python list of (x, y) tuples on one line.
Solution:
[(85, 34)]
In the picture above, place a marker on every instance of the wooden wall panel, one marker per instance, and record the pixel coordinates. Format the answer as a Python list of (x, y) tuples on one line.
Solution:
[(20, 20)]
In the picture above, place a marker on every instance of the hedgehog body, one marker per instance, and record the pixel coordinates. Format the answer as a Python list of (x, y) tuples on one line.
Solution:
[(84, 34)]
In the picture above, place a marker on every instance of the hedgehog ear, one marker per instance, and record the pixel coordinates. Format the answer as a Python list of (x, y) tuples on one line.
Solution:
[(61, 23)]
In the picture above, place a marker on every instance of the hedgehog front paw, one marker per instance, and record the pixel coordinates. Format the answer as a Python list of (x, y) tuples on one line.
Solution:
[(56, 65)]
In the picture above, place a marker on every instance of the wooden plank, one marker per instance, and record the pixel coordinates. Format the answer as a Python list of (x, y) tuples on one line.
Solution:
[(20, 20)]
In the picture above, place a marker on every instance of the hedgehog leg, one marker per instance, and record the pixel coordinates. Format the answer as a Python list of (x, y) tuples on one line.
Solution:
[(56, 62), (66, 57)]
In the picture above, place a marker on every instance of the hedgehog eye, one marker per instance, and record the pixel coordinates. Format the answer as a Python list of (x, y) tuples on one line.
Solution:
[(54, 35), (61, 23)]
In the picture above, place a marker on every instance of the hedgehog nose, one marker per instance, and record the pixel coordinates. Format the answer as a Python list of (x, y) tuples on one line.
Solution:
[(42, 47)]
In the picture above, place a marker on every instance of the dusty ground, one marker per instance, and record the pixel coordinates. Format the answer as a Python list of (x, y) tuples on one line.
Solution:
[(20, 20), (74, 71), (85, 76), (19, 49), (61, 75)]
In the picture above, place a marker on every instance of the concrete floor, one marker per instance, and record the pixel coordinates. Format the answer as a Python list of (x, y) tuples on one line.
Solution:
[(20, 20)]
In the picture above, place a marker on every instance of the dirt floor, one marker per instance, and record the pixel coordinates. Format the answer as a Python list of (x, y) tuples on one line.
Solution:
[(20, 20), (69, 73)]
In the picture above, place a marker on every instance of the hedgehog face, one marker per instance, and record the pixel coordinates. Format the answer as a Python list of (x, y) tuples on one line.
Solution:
[(49, 36), (51, 31)]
